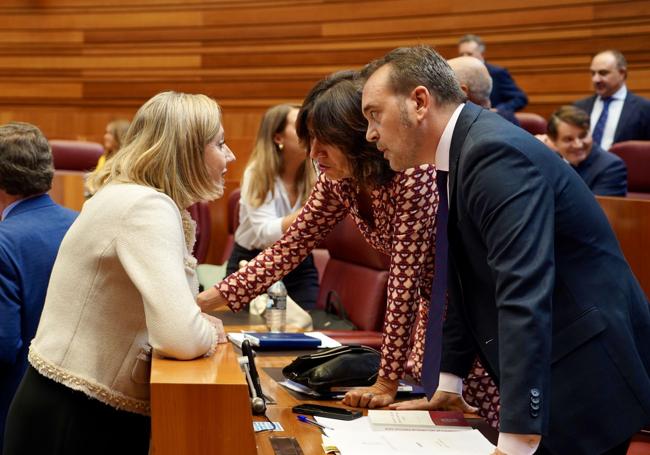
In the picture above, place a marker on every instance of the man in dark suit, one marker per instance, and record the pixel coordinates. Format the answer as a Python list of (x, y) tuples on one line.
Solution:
[(568, 134), (506, 97), (616, 113), (538, 286), (31, 231)]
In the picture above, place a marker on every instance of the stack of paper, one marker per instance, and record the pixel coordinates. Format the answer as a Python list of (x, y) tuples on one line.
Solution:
[(357, 437), (417, 420)]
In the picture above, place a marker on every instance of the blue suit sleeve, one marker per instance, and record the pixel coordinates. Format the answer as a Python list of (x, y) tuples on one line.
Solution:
[(10, 302), (512, 206), (612, 181), (510, 97)]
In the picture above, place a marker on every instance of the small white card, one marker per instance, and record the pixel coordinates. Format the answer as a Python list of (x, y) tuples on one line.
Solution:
[(265, 426)]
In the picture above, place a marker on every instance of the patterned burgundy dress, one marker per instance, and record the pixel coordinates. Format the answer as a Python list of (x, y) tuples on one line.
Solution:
[(402, 226)]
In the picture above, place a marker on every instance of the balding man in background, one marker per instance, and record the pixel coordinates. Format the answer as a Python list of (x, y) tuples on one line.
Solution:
[(476, 82), (616, 113), (506, 97)]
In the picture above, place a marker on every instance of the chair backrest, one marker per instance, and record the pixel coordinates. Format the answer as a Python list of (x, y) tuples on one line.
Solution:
[(359, 275), (233, 222), (531, 122), (200, 212), (75, 155), (636, 155)]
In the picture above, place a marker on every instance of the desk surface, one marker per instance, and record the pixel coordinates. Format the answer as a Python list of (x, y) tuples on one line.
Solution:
[(222, 368), (308, 436)]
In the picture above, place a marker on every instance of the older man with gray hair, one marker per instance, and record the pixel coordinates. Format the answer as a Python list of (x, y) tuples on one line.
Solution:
[(476, 82)]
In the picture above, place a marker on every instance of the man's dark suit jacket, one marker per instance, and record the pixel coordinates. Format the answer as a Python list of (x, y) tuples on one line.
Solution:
[(506, 97), (29, 241), (604, 173), (634, 123), (540, 289)]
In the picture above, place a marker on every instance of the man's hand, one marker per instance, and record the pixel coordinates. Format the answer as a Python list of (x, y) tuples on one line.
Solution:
[(210, 299), (547, 141), (445, 401), (380, 394)]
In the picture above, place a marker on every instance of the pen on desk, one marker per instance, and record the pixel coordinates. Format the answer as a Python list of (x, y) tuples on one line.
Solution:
[(313, 422)]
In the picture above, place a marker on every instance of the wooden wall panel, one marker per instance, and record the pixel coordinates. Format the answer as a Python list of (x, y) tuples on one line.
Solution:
[(71, 66)]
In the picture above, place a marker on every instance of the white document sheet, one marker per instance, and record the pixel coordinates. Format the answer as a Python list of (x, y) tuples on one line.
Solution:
[(356, 437)]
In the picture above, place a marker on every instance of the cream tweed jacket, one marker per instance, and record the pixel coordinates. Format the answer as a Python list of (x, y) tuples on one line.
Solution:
[(124, 278)]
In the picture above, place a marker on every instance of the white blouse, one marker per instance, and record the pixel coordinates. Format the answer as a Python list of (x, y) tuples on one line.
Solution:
[(260, 226)]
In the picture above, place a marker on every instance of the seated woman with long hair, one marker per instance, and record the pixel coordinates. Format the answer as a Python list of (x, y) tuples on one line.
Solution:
[(277, 181), (123, 283), (395, 212)]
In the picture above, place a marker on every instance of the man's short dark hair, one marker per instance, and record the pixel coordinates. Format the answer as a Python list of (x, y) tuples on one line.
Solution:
[(567, 114), (471, 38), (26, 167), (419, 65)]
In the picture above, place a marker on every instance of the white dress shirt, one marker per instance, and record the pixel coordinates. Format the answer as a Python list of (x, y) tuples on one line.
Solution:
[(260, 226), (613, 116), (509, 443)]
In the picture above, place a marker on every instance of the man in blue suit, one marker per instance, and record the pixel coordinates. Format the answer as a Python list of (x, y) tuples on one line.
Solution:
[(31, 230), (616, 113), (506, 97), (568, 134), (538, 286)]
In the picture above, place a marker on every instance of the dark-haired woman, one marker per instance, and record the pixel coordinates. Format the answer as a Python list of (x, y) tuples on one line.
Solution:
[(395, 212)]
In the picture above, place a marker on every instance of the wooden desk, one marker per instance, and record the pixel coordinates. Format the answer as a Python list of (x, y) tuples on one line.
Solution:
[(202, 406)]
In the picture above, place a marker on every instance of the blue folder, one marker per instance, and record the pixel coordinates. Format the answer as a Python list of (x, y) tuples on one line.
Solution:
[(281, 341)]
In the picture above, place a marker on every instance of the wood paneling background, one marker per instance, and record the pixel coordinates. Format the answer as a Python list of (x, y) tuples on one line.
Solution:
[(71, 66)]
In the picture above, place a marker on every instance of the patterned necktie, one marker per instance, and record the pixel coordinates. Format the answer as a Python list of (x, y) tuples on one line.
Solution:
[(599, 129), (433, 339)]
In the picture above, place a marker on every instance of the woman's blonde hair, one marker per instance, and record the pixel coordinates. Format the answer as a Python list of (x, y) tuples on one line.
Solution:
[(266, 159), (164, 149)]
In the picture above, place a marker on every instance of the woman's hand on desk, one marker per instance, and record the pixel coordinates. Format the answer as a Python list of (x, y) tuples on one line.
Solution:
[(210, 299), (381, 394), (445, 401), (216, 322)]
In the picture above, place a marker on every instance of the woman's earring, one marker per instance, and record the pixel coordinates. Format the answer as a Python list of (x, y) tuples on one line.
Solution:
[(280, 146)]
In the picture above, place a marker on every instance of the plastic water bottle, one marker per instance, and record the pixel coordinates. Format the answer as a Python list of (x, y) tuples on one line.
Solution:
[(276, 308)]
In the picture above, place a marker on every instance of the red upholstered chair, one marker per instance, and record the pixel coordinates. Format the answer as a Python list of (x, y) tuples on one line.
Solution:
[(636, 155), (200, 212), (359, 275), (533, 123), (233, 222), (75, 155)]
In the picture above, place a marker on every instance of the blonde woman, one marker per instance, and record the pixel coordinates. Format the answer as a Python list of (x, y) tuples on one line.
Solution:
[(276, 184), (113, 139), (124, 282)]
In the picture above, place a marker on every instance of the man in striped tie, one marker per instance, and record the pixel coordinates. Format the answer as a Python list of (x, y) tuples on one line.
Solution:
[(616, 113)]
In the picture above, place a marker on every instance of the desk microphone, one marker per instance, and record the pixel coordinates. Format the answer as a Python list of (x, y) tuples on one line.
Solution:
[(247, 363)]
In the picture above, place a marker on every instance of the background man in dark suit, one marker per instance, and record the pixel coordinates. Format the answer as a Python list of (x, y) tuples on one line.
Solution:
[(616, 113), (568, 134), (538, 286), (506, 97), (475, 81), (31, 230)]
